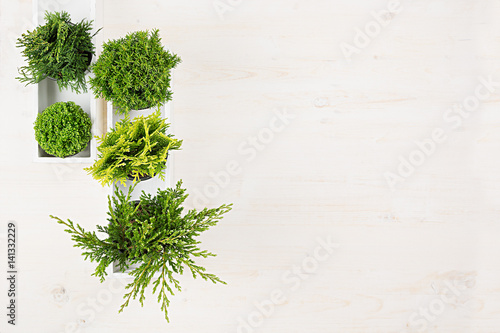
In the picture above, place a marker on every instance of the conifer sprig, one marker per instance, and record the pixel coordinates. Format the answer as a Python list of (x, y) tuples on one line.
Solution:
[(58, 49), (134, 72), (153, 233), (134, 149)]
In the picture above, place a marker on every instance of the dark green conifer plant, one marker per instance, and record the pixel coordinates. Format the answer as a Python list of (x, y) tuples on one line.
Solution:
[(63, 129), (58, 49), (153, 234), (133, 149), (134, 72)]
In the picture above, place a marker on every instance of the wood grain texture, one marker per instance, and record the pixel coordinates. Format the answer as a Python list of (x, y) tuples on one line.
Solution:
[(321, 175)]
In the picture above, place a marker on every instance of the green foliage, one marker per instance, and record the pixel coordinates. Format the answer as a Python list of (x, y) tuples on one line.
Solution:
[(134, 149), (134, 72), (63, 129), (153, 233), (60, 50)]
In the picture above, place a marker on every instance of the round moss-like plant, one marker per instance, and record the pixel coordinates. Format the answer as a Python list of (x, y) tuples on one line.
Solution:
[(134, 72), (58, 49), (63, 129)]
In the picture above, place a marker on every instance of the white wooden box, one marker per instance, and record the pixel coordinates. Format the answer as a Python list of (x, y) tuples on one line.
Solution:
[(47, 91)]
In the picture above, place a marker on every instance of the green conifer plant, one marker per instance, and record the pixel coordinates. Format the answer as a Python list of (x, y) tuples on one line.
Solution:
[(134, 149), (153, 233), (134, 72), (59, 49)]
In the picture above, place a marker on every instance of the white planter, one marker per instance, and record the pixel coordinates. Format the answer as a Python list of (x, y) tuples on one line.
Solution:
[(149, 186), (47, 91)]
